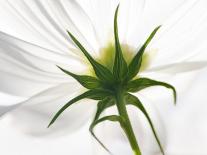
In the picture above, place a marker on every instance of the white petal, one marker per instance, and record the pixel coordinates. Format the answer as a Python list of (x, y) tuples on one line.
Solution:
[(31, 25), (22, 144), (199, 54), (48, 22), (182, 34), (74, 18), (42, 58), (146, 15), (33, 115), (102, 14), (27, 69), (179, 67), (132, 21), (7, 99), (187, 127)]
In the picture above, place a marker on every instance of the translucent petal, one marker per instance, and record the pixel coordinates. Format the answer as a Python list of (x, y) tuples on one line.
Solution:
[(131, 14), (74, 18), (144, 17), (191, 108), (179, 67), (31, 25), (33, 115), (101, 14), (7, 99), (22, 144), (27, 69), (45, 23), (182, 35), (41, 58)]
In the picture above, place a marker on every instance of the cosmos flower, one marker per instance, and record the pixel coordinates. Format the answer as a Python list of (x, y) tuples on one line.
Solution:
[(38, 42)]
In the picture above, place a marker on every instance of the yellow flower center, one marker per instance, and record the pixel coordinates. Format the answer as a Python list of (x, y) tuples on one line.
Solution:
[(107, 55)]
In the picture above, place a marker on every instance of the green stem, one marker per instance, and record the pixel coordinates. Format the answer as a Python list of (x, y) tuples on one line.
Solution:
[(127, 127)]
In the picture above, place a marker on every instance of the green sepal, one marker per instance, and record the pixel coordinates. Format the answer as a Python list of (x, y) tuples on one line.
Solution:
[(101, 71), (95, 94), (142, 83), (133, 100), (86, 81), (136, 62), (120, 68), (113, 118), (103, 105)]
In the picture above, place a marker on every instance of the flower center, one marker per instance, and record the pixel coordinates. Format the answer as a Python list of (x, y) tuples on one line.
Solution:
[(107, 55)]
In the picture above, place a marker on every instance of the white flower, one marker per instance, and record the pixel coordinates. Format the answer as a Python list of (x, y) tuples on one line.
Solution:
[(33, 40)]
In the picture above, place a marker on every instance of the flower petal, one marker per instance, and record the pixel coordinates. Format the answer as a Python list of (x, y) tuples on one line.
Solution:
[(23, 144), (33, 115), (131, 14), (30, 24), (179, 67), (73, 18), (27, 69), (182, 34), (101, 13), (144, 17), (188, 120), (48, 22), (46, 58), (7, 99)]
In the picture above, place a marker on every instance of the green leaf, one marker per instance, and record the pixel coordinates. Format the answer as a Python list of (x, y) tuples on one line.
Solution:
[(88, 82), (120, 66), (136, 62), (113, 118), (96, 94), (133, 100), (101, 71), (142, 83)]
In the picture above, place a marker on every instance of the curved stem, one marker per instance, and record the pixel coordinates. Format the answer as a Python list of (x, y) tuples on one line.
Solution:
[(127, 127)]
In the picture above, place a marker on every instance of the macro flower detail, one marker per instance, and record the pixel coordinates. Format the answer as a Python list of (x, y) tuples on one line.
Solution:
[(113, 89), (112, 70)]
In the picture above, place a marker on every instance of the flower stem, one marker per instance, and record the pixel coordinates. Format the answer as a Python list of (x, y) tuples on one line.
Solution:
[(126, 126)]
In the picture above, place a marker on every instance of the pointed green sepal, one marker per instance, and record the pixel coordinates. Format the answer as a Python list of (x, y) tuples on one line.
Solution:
[(96, 94), (101, 71), (113, 118), (136, 62), (103, 105), (120, 68), (86, 81), (133, 100), (142, 83)]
